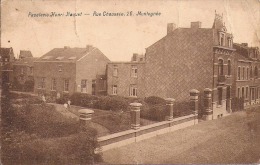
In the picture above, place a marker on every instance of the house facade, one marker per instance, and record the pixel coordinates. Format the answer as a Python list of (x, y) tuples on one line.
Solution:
[(192, 58), (126, 78), (68, 70), (246, 76), (23, 71), (6, 65)]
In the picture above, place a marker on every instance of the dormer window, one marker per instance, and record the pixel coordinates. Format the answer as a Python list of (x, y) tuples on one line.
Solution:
[(60, 68), (221, 39), (230, 42)]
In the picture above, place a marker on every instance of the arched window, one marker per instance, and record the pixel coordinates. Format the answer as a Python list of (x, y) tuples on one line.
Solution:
[(251, 72), (229, 67), (256, 71), (220, 67)]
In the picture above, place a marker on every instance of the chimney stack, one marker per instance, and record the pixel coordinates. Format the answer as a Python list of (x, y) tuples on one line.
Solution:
[(170, 27), (89, 47), (195, 25)]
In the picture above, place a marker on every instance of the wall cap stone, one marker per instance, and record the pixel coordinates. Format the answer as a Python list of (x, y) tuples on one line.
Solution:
[(135, 104), (169, 100), (207, 90), (86, 111)]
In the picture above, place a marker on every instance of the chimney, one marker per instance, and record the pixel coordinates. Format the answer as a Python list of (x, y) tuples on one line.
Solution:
[(244, 44), (170, 27), (195, 25), (89, 47), (134, 58), (66, 47)]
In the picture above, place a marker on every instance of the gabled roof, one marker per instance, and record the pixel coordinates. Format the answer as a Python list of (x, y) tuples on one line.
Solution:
[(25, 54), (66, 54)]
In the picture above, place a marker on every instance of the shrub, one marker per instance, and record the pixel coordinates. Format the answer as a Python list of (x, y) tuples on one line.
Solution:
[(28, 86), (154, 100), (75, 149)]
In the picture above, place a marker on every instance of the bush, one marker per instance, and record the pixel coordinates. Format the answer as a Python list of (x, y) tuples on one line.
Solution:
[(154, 100), (44, 121), (114, 103), (75, 149), (28, 86)]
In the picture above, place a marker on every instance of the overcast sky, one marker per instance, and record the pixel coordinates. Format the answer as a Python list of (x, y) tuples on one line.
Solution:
[(118, 37)]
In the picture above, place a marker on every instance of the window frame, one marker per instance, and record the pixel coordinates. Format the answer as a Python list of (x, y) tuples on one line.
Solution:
[(65, 85)]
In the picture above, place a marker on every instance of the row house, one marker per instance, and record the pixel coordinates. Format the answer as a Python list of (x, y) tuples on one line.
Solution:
[(6, 62), (188, 58), (23, 68), (68, 70), (247, 79), (126, 78)]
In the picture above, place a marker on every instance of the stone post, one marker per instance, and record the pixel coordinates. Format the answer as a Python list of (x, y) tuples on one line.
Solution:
[(208, 112), (169, 108), (85, 116), (194, 104), (135, 115)]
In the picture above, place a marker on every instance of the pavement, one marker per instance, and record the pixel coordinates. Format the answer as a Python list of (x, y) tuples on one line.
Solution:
[(232, 139)]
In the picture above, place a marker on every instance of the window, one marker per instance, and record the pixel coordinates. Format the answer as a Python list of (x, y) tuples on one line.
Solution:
[(53, 84), (247, 73), (246, 92), (251, 72), (229, 67), (133, 90), (41, 83), (134, 71), (256, 72), (115, 70), (114, 90), (238, 73), (238, 92), (220, 96), (229, 42), (84, 86), (243, 92), (66, 85), (221, 39), (243, 73), (31, 70), (60, 68)]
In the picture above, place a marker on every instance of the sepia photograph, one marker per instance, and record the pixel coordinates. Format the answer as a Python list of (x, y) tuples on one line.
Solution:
[(129, 82)]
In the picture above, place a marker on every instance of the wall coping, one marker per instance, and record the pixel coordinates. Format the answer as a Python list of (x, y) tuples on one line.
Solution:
[(107, 137)]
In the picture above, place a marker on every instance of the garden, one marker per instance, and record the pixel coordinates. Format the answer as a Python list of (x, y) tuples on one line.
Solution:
[(35, 133)]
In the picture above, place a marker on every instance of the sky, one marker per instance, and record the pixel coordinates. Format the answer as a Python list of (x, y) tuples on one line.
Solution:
[(118, 37)]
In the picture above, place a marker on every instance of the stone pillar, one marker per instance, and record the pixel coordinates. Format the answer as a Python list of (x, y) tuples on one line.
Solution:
[(85, 116), (169, 108), (208, 112), (194, 104), (135, 115)]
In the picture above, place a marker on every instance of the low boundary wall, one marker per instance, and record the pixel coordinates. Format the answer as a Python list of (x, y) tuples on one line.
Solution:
[(130, 136)]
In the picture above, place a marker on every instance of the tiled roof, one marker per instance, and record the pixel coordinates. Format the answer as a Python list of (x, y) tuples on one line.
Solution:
[(66, 54), (25, 54)]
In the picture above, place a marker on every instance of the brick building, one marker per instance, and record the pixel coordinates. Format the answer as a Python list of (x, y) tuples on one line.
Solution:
[(6, 65), (124, 78), (69, 70), (246, 80), (185, 59), (23, 69)]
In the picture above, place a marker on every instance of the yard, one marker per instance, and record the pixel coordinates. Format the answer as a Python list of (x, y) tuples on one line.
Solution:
[(232, 139)]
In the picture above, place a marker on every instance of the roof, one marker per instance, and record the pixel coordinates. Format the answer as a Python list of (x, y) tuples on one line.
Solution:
[(5, 52), (25, 61), (66, 54), (184, 33), (25, 54)]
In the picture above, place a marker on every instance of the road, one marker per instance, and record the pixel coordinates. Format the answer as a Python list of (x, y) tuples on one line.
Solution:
[(231, 139)]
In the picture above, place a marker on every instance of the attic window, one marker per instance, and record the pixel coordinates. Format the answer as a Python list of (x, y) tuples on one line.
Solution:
[(72, 58), (46, 57), (59, 58)]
